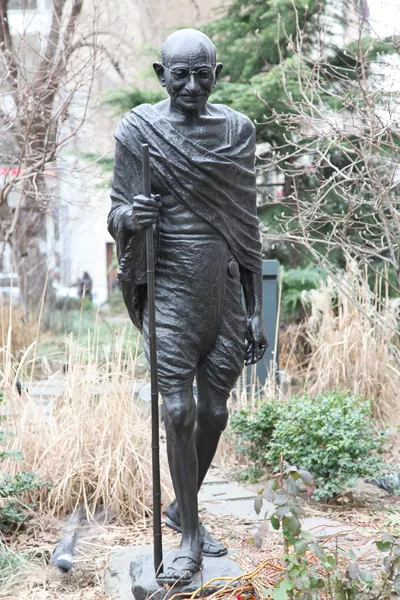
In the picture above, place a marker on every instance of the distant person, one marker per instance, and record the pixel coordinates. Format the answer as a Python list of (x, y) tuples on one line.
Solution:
[(85, 285)]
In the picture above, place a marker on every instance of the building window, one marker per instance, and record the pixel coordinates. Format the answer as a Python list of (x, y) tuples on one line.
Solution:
[(22, 4)]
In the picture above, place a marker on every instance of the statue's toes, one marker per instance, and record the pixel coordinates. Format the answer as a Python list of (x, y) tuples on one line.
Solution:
[(211, 546), (184, 566)]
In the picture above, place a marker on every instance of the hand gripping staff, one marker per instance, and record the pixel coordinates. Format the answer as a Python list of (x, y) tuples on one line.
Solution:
[(155, 447)]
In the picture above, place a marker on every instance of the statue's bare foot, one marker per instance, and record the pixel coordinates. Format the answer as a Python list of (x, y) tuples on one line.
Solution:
[(182, 569), (211, 546)]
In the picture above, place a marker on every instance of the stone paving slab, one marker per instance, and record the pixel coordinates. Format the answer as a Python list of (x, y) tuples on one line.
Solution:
[(242, 509), (224, 491), (324, 528), (45, 388), (213, 479), (130, 574), (56, 386)]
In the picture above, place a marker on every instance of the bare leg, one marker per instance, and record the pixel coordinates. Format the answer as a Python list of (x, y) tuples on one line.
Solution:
[(180, 419), (212, 417)]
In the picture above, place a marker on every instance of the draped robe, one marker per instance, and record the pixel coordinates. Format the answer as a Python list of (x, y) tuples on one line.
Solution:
[(217, 185)]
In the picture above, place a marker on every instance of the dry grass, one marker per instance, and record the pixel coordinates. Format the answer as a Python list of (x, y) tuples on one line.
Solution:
[(353, 342), (34, 579), (92, 439), (15, 329)]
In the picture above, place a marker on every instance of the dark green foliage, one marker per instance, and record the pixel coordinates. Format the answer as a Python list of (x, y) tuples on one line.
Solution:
[(77, 304), (10, 564), (106, 163), (255, 42), (331, 574), (253, 35), (332, 436), (13, 488), (272, 83), (294, 283), (124, 99), (254, 432)]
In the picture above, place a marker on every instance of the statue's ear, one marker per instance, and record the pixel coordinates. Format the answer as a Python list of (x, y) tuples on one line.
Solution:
[(218, 71), (159, 70)]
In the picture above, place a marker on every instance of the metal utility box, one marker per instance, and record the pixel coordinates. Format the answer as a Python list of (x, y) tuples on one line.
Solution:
[(270, 314)]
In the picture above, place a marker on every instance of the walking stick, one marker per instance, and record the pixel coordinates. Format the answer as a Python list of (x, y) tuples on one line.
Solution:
[(155, 447)]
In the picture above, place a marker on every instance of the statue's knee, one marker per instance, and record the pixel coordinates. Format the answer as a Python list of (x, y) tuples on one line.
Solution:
[(216, 418), (220, 418), (178, 415)]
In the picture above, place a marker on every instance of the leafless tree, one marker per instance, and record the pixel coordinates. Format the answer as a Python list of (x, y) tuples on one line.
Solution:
[(339, 166), (39, 76)]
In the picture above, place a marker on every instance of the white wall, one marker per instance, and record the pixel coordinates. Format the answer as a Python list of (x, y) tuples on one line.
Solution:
[(83, 227)]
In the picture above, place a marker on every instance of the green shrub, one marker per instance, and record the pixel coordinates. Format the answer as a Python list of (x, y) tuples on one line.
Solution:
[(254, 432), (313, 570), (332, 436), (12, 489), (11, 565), (294, 283)]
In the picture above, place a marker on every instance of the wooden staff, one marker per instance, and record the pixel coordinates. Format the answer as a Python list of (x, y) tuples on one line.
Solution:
[(155, 444)]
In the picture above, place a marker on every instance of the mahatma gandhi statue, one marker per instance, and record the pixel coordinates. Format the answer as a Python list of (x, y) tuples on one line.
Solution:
[(208, 252)]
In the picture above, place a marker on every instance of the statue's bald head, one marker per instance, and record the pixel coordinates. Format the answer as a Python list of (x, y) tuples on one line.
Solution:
[(188, 70), (188, 43)]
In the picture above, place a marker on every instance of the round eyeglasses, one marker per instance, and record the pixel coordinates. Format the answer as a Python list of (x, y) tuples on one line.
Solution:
[(182, 73)]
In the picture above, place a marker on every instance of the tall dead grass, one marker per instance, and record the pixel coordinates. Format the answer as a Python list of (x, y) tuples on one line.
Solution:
[(91, 441), (354, 342), (15, 326)]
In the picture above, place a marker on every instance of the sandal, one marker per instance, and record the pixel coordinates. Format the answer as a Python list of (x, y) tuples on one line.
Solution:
[(182, 576), (211, 547)]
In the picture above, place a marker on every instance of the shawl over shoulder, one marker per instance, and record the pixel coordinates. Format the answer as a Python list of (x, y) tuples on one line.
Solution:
[(219, 185)]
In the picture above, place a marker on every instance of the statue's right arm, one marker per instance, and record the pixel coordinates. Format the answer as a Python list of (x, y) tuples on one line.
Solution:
[(131, 212), (126, 184)]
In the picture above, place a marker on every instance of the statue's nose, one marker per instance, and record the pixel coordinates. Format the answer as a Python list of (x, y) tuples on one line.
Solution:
[(192, 85)]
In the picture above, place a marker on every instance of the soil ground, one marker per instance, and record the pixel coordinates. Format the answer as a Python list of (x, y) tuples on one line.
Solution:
[(368, 510)]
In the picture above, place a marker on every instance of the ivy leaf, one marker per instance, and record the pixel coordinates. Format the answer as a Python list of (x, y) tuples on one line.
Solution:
[(268, 493), (386, 537), (317, 550), (396, 583), (293, 525), (275, 522), (387, 564), (258, 502), (281, 592), (353, 570), (292, 486), (306, 477), (281, 498), (330, 562), (383, 546), (352, 555), (291, 469), (283, 511), (298, 511), (301, 546), (262, 533), (366, 576)]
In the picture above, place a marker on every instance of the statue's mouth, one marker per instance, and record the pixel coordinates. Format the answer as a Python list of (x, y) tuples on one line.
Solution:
[(190, 98)]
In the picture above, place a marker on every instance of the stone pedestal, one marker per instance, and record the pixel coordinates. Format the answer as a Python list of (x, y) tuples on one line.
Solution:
[(130, 574)]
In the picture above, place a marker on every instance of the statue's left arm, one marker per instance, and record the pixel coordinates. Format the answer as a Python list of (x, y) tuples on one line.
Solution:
[(257, 342), (251, 280)]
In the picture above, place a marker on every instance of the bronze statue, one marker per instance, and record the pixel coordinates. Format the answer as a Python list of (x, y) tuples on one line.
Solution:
[(207, 244)]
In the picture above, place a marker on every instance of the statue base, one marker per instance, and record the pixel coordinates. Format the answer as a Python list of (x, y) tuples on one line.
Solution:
[(130, 573)]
